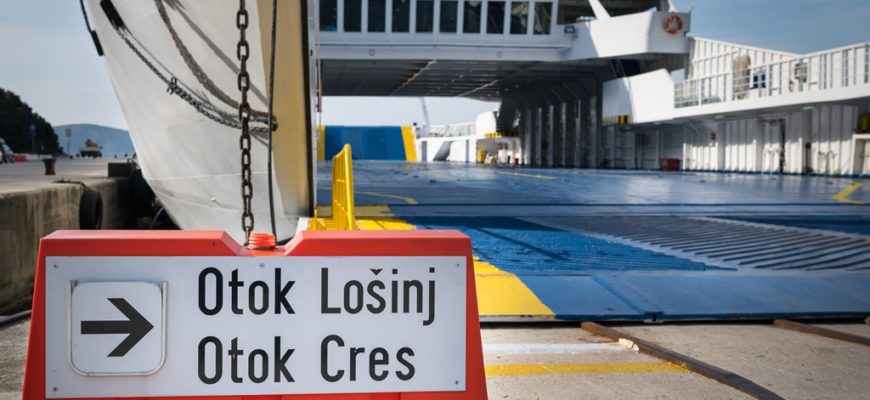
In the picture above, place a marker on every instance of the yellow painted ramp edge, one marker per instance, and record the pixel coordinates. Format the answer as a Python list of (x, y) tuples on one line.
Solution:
[(500, 294), (410, 146), (503, 294)]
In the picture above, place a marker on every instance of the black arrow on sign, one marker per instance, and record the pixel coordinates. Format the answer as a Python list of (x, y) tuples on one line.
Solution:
[(136, 327)]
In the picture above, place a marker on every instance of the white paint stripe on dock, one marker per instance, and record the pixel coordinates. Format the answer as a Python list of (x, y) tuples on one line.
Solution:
[(550, 348)]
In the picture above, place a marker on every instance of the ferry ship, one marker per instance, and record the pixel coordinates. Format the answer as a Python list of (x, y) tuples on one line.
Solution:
[(579, 84)]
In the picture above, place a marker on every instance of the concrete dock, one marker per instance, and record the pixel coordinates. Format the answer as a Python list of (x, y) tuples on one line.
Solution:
[(567, 362), (33, 204)]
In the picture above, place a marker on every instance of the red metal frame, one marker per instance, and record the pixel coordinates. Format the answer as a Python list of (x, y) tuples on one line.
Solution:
[(218, 243)]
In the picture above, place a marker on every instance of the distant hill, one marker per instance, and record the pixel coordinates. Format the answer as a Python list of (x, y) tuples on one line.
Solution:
[(17, 120), (115, 142)]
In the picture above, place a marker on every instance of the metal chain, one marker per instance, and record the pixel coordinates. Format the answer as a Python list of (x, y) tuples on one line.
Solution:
[(242, 52)]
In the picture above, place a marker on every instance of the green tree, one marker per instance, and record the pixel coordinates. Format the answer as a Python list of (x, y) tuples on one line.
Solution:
[(15, 118)]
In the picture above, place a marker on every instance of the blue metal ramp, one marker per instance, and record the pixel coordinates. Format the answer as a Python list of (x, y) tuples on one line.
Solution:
[(581, 277), (637, 245)]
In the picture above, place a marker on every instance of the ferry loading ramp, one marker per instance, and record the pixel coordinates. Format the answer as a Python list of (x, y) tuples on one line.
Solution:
[(637, 245)]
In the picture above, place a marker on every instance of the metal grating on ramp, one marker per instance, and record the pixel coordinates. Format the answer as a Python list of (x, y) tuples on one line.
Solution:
[(524, 247), (576, 271), (731, 243), (857, 224)]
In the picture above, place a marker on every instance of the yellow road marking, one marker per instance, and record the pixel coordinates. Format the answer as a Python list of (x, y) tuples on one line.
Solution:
[(380, 218), (501, 293), (374, 211), (606, 368), (409, 200), (847, 191), (384, 224), (368, 218), (536, 176)]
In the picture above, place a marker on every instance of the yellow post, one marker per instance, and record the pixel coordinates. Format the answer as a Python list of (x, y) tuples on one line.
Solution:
[(321, 143), (342, 190), (410, 145)]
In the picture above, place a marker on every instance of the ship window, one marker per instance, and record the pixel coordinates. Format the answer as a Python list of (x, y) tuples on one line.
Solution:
[(401, 15), (329, 15), (543, 13), (377, 15), (471, 18), (448, 16), (495, 17), (866, 63), (352, 15), (425, 14), (519, 18)]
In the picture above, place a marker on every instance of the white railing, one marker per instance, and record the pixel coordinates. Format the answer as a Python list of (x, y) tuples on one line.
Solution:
[(829, 70), (452, 130), (410, 39)]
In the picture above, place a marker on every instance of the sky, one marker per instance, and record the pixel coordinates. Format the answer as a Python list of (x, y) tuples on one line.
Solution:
[(47, 57)]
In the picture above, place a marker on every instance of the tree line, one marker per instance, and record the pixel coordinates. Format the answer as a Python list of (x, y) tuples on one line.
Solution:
[(16, 118)]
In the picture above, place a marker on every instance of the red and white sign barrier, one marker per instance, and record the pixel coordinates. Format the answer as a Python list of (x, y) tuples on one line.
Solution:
[(192, 314)]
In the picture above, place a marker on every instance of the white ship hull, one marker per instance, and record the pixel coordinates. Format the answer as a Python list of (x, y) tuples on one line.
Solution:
[(192, 162)]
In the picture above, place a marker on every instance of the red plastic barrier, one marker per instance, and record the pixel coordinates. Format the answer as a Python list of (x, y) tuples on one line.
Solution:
[(217, 243)]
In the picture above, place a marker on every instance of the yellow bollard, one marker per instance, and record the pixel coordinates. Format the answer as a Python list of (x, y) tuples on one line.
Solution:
[(342, 190)]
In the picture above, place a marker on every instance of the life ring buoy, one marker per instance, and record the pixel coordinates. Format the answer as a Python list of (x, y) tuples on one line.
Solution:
[(673, 24)]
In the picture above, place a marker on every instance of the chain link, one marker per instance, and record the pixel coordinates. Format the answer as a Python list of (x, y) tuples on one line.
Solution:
[(242, 52)]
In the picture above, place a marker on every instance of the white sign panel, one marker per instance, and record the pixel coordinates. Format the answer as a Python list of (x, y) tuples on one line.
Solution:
[(185, 326)]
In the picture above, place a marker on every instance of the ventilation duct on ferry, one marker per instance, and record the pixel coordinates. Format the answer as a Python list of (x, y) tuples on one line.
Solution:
[(444, 151), (507, 112)]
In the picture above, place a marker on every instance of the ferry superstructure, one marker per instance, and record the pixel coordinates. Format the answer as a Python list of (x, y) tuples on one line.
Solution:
[(605, 84), (580, 83)]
